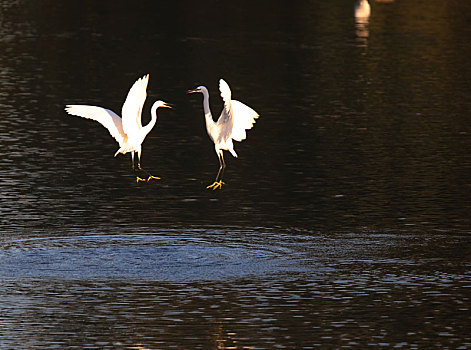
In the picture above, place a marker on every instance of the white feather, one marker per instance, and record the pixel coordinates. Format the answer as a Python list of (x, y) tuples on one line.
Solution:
[(128, 131), (132, 107), (104, 116), (226, 96), (244, 119), (235, 118)]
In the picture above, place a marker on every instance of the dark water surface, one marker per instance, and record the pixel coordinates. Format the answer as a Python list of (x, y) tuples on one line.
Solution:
[(344, 223)]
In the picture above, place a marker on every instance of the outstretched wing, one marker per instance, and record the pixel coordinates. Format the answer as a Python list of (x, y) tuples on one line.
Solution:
[(226, 120), (105, 117), (244, 119), (226, 97), (132, 107), (236, 117)]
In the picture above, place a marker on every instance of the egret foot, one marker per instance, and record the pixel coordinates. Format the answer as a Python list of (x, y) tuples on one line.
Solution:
[(216, 185), (139, 179)]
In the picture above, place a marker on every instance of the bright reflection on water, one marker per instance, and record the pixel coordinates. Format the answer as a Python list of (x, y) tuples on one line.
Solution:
[(344, 221)]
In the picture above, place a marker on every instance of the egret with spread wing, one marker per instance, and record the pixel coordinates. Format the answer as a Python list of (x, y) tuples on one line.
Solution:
[(235, 118), (128, 130)]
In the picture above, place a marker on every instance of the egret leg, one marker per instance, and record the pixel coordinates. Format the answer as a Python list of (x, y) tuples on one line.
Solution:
[(138, 179), (149, 175), (222, 165)]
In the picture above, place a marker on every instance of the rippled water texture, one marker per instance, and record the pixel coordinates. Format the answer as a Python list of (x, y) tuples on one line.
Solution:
[(344, 222), (235, 289)]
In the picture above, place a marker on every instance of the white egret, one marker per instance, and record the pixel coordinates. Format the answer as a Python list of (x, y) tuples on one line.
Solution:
[(235, 118), (128, 130)]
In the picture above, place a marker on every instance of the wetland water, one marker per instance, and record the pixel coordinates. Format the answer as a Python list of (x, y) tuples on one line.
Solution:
[(344, 223)]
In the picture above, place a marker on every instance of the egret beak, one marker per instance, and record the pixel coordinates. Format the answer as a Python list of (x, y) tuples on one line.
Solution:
[(167, 105), (193, 91)]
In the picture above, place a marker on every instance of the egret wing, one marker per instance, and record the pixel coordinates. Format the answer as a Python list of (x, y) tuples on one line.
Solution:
[(226, 97), (105, 117), (132, 107), (226, 119), (244, 119)]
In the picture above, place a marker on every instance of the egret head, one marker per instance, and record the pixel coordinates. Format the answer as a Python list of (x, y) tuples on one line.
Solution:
[(160, 103), (201, 89)]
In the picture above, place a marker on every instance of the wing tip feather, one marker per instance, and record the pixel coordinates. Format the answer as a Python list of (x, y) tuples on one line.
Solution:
[(225, 90), (70, 109)]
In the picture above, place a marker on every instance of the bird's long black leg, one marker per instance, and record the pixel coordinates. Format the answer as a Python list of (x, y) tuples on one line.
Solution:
[(221, 167), (218, 182), (149, 175), (139, 167), (138, 178)]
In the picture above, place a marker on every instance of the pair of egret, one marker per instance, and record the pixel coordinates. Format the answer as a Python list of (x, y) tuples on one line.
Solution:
[(128, 131)]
